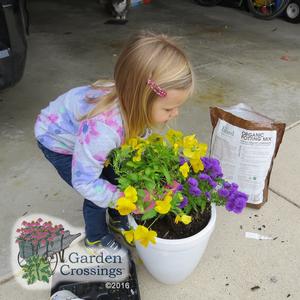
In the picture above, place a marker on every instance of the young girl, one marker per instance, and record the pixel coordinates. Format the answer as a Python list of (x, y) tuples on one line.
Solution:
[(77, 131)]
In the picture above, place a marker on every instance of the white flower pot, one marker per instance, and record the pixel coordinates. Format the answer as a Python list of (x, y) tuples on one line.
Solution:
[(172, 261)]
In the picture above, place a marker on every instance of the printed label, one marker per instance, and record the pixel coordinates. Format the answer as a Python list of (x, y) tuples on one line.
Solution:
[(245, 156)]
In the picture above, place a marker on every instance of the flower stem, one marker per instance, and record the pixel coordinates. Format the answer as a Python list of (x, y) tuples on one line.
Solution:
[(153, 222)]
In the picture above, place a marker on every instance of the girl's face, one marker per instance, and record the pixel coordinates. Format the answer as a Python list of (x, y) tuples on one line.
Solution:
[(166, 108)]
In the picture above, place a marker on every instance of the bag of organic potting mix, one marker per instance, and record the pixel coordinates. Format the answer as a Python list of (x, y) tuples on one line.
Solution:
[(246, 143)]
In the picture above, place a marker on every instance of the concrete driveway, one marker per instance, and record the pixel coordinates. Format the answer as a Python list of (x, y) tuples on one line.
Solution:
[(237, 58)]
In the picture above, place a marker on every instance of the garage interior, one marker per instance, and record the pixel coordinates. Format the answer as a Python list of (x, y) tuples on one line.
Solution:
[(236, 57)]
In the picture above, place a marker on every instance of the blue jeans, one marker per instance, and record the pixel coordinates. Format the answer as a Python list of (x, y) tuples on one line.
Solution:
[(94, 216)]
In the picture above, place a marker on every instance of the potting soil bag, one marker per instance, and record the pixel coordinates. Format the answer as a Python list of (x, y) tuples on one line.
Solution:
[(246, 143)]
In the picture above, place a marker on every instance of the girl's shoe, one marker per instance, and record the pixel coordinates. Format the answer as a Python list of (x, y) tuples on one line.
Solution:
[(119, 225), (107, 245)]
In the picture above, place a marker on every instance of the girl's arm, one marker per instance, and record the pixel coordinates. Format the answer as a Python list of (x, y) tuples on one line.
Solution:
[(95, 140)]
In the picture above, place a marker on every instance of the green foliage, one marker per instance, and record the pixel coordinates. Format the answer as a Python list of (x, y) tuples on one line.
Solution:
[(170, 176), (37, 268), (149, 215), (151, 173)]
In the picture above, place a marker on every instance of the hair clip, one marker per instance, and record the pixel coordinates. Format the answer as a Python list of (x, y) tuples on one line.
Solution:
[(157, 89)]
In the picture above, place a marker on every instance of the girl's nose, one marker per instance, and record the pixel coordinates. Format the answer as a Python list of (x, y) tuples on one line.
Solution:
[(175, 113)]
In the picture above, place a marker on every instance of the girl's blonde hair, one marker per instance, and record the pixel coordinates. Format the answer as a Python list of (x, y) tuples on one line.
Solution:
[(145, 56)]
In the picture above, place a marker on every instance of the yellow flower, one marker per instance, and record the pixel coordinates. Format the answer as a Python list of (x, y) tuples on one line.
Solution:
[(185, 219), (177, 219), (190, 141), (195, 156), (132, 142), (138, 154), (168, 197), (140, 147), (163, 207), (125, 206), (174, 136), (154, 137), (144, 236), (188, 152), (202, 148), (124, 146), (197, 165), (129, 235), (131, 193), (175, 148), (137, 158), (192, 149), (184, 169)]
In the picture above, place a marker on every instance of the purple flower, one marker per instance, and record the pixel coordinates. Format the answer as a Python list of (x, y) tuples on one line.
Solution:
[(241, 194), (227, 185), (182, 160), (240, 204), (212, 167), (230, 205), (192, 181), (212, 183), (231, 187), (184, 202), (204, 177), (223, 192), (179, 188), (236, 202), (234, 186), (207, 195), (195, 191)]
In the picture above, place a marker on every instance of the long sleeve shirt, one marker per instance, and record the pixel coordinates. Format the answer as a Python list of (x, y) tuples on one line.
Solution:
[(89, 141)]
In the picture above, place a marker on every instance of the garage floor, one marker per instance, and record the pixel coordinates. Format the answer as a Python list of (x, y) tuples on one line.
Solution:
[(237, 58)]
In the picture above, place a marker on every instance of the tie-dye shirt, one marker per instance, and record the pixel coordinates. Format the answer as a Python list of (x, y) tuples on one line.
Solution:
[(89, 141)]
